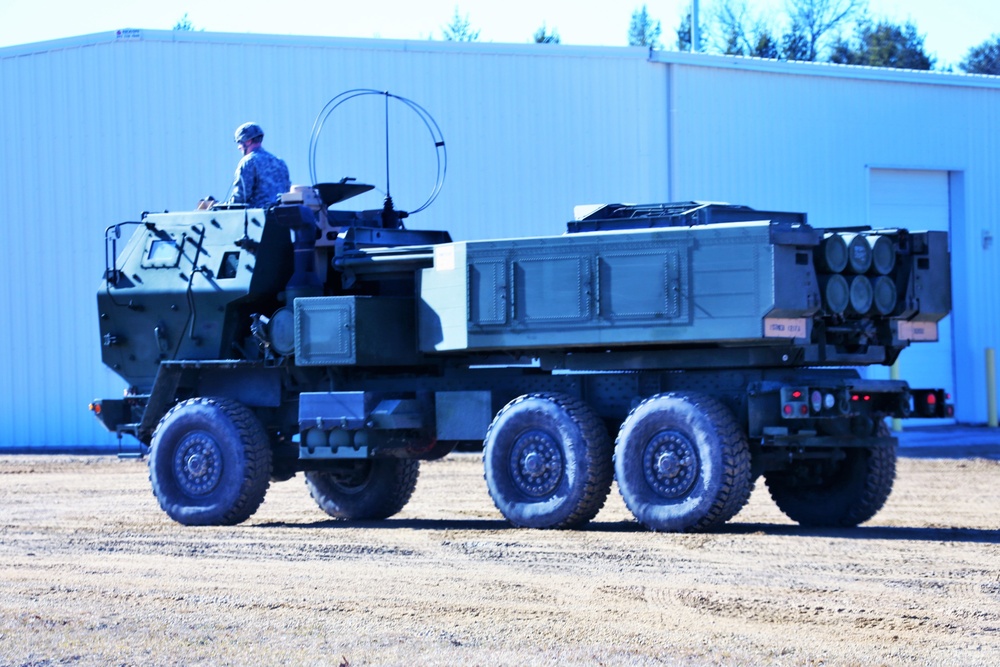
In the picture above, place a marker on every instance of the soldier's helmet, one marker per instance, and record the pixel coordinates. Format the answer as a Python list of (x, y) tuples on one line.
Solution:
[(248, 131)]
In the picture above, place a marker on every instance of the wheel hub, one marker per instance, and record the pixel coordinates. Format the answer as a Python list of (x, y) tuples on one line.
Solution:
[(198, 464), (353, 478), (536, 463), (670, 464)]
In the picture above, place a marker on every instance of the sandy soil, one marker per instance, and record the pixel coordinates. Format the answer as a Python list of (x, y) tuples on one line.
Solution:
[(93, 573)]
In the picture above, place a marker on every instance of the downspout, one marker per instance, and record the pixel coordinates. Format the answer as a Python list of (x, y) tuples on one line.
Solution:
[(671, 134)]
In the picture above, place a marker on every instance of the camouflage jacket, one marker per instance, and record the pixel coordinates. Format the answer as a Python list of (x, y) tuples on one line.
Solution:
[(260, 178)]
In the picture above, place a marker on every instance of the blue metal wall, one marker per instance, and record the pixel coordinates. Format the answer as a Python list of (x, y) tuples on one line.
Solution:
[(801, 136), (97, 129)]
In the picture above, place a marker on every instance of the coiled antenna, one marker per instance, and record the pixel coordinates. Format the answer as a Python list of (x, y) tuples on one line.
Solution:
[(437, 138)]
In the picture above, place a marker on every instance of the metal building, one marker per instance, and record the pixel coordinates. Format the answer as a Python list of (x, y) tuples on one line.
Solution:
[(99, 128)]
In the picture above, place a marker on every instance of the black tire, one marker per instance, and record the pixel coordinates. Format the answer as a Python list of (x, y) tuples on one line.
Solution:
[(364, 490), (210, 462), (682, 463), (547, 459), (843, 494)]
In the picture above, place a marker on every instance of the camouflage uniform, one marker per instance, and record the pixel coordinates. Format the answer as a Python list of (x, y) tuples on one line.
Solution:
[(260, 178)]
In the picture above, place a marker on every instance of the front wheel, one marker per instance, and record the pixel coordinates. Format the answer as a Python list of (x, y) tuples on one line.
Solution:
[(210, 462), (364, 490), (548, 462), (682, 463)]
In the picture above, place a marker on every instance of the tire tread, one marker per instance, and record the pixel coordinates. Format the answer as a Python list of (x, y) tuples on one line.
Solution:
[(600, 470), (256, 461), (736, 480), (399, 480), (810, 507)]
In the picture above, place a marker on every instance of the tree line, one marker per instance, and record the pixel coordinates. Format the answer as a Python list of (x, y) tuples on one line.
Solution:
[(836, 31)]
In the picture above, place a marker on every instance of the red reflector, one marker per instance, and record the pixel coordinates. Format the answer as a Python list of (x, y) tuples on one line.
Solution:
[(931, 399), (787, 409)]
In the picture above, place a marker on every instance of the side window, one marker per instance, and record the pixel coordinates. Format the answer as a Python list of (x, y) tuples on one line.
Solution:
[(230, 264)]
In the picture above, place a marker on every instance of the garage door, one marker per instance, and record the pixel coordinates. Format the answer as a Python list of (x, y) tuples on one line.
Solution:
[(916, 200)]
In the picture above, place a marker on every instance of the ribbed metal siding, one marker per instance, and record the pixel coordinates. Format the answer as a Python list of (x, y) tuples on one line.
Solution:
[(97, 130), (800, 142), (976, 248), (795, 142)]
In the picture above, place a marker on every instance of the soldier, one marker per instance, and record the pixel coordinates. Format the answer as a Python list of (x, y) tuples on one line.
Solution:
[(260, 176)]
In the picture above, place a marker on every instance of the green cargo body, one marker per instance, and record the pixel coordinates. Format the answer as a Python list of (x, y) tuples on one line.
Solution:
[(719, 284)]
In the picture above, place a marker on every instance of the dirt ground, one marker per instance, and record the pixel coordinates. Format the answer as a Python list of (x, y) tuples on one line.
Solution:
[(93, 573)]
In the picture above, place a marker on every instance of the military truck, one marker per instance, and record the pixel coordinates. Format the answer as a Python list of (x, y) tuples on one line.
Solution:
[(719, 343)]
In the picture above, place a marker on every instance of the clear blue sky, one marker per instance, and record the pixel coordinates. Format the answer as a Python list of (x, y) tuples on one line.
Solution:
[(950, 26)]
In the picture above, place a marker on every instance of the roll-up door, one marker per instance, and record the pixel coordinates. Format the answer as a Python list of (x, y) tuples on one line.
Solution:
[(917, 200)]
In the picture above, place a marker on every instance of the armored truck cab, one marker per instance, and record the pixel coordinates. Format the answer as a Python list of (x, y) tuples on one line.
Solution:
[(717, 342)]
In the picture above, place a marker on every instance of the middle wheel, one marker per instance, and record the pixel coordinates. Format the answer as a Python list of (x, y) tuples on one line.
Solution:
[(548, 462), (682, 462)]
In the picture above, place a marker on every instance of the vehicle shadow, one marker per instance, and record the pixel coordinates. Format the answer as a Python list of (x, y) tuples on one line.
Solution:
[(398, 524), (902, 533), (910, 533)]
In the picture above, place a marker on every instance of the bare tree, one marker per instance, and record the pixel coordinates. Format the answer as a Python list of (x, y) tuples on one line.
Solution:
[(737, 30), (731, 34), (813, 20)]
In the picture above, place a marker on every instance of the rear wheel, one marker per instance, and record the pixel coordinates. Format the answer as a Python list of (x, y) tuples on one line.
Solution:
[(547, 459), (364, 490), (682, 463), (210, 462), (840, 493)]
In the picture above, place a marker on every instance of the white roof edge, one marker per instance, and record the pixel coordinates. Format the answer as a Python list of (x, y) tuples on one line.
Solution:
[(803, 68), (800, 68), (375, 44)]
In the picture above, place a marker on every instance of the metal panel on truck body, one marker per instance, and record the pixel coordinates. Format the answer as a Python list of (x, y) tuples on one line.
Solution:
[(675, 285)]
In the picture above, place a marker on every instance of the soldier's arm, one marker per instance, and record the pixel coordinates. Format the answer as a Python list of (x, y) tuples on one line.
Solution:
[(243, 182)]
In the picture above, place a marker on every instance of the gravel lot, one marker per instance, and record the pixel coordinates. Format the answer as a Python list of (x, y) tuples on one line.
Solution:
[(93, 573)]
